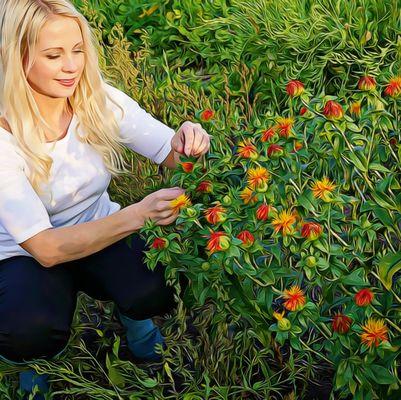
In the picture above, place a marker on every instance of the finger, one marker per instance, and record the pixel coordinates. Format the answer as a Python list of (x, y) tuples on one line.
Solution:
[(189, 137), (168, 221), (170, 194), (177, 143), (204, 146), (199, 143)]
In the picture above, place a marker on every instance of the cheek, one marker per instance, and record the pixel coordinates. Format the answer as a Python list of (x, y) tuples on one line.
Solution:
[(43, 71)]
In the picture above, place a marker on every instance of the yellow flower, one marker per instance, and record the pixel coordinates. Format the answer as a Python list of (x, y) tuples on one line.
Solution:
[(247, 196), (375, 332), (180, 202), (284, 126), (284, 222), (257, 177), (247, 149), (323, 189), (295, 298)]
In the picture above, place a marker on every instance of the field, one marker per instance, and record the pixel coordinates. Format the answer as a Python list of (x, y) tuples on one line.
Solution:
[(290, 231)]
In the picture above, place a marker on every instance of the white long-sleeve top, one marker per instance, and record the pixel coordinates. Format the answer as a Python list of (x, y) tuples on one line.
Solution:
[(78, 178)]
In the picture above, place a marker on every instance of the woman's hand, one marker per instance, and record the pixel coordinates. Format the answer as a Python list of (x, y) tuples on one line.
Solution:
[(191, 139), (157, 207)]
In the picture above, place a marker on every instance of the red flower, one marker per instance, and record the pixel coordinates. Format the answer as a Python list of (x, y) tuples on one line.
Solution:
[(207, 114), (333, 110), (268, 134), (187, 166), (262, 213), (284, 126), (303, 110), (295, 298), (367, 83), (294, 88), (218, 241), (275, 150), (393, 141), (374, 332), (341, 323), (205, 187), (364, 297), (247, 149), (311, 230), (215, 214), (159, 243), (393, 88), (247, 238)]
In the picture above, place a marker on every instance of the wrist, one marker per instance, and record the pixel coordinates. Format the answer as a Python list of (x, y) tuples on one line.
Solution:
[(135, 216)]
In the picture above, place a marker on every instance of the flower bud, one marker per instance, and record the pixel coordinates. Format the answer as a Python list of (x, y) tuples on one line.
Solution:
[(284, 324), (247, 238), (275, 151), (160, 243), (205, 187), (332, 110), (207, 114), (191, 212), (262, 213), (226, 200), (367, 83), (294, 88), (187, 166), (311, 261), (205, 266), (311, 230)]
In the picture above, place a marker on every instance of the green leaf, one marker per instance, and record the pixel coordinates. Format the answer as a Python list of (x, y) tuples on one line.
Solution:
[(380, 374), (388, 266), (356, 278), (378, 167), (149, 383), (357, 162)]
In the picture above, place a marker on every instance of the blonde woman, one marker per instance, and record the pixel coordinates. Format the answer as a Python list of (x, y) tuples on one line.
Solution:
[(62, 134)]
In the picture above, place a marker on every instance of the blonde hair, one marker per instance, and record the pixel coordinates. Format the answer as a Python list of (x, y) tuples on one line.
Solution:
[(20, 24)]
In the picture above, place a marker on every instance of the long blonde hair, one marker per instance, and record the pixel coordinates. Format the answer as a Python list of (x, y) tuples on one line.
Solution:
[(20, 24)]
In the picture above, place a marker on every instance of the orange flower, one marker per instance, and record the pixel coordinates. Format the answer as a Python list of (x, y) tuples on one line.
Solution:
[(215, 214), (295, 298), (180, 202), (303, 110), (333, 110), (284, 126), (248, 196), (257, 178), (341, 323), (294, 88), (247, 149), (367, 83), (375, 332), (262, 213), (275, 150), (247, 238), (207, 114), (159, 243), (218, 241), (393, 88), (297, 146), (268, 134), (187, 166), (355, 108), (284, 222), (311, 230), (364, 297), (205, 187), (323, 189)]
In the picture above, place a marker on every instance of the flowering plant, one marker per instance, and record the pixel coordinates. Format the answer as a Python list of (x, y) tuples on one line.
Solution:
[(292, 224)]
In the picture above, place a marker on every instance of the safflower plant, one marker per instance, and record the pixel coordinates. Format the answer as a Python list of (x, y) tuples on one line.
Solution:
[(291, 226)]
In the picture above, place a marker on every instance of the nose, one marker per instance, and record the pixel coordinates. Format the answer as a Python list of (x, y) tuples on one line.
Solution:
[(69, 64)]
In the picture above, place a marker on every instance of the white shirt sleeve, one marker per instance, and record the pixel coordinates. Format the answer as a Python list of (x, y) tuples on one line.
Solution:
[(22, 213), (145, 134)]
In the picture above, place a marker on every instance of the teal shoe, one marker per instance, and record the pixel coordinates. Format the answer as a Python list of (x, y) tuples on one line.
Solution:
[(29, 379), (142, 337)]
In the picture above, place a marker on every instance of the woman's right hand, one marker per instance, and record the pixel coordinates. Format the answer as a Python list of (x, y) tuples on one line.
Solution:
[(156, 206)]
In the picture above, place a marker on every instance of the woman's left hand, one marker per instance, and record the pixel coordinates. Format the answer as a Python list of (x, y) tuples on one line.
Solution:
[(191, 139)]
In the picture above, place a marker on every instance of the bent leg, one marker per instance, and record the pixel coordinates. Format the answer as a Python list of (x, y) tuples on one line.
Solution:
[(37, 305)]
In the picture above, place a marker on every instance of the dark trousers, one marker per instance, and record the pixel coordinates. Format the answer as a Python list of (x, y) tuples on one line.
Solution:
[(37, 304)]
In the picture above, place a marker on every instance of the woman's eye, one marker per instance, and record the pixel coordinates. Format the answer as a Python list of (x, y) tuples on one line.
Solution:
[(54, 57)]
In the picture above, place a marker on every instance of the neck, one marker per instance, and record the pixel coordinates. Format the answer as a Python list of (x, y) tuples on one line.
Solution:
[(52, 109)]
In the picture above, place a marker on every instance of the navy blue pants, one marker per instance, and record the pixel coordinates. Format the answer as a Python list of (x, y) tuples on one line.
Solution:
[(37, 304)]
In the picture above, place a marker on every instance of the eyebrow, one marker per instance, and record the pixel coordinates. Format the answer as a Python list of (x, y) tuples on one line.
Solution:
[(60, 48)]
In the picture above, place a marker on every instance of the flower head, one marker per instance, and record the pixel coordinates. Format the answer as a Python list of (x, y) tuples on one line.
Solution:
[(297, 146), (303, 110), (393, 88), (374, 332), (311, 230), (247, 238), (295, 298), (341, 323), (275, 150), (268, 134), (364, 297), (294, 88), (332, 110), (248, 196), (215, 214), (247, 149), (283, 323), (355, 108), (323, 189), (367, 83), (180, 202), (284, 126), (205, 187), (187, 166), (159, 243), (284, 222), (262, 213), (218, 241), (207, 114), (257, 178)]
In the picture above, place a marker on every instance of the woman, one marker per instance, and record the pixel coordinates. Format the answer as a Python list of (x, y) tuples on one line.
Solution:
[(62, 136)]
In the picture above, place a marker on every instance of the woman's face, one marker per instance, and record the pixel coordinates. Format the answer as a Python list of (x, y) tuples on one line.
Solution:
[(59, 56)]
